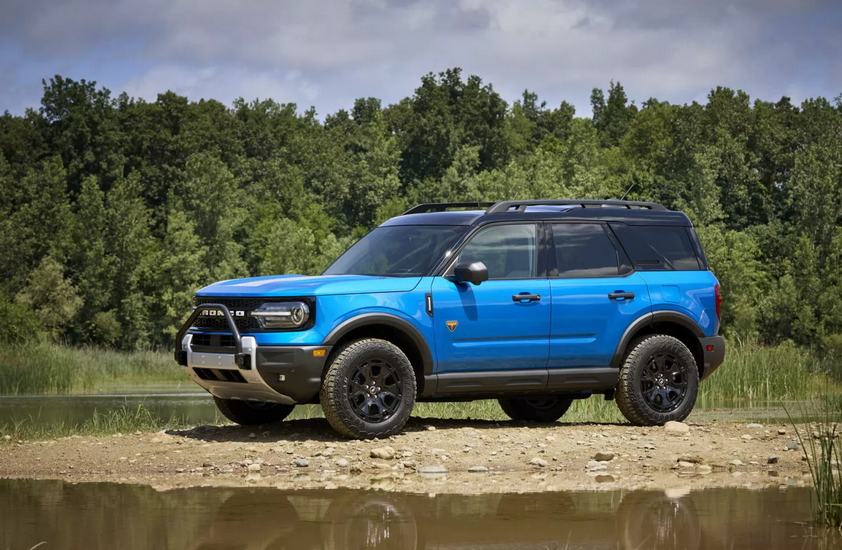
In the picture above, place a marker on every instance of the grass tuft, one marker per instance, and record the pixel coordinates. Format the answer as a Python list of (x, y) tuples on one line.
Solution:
[(823, 450)]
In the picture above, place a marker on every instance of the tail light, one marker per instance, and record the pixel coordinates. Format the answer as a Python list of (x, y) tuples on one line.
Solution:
[(718, 301)]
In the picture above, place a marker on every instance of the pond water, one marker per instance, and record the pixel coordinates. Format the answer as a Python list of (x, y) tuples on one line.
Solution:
[(196, 407), (91, 516)]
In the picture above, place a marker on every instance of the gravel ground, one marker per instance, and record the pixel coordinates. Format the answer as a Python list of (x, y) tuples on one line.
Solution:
[(433, 456)]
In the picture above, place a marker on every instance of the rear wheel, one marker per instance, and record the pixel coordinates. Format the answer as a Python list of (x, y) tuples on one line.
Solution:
[(659, 381), (369, 389), (536, 410), (248, 413)]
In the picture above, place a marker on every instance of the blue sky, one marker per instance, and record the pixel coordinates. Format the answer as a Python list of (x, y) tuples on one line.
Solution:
[(328, 52)]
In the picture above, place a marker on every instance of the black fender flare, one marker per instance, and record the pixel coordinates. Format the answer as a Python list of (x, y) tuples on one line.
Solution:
[(651, 318), (392, 321)]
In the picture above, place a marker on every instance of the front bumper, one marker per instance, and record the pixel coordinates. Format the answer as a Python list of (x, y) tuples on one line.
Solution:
[(713, 348), (276, 374)]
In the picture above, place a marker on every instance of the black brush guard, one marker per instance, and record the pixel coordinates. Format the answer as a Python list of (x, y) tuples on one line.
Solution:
[(242, 360)]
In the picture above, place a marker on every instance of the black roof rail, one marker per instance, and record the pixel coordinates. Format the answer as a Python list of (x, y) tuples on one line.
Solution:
[(520, 206), (443, 206)]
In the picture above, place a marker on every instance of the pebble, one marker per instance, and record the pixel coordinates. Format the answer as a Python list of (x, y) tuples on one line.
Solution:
[(676, 427), (252, 435), (254, 467), (692, 459), (604, 456), (342, 463), (736, 462), (301, 462), (792, 446), (595, 466), (478, 469), (432, 470), (538, 462), (384, 453), (7, 438), (781, 431), (755, 426), (685, 464), (747, 437), (772, 459)]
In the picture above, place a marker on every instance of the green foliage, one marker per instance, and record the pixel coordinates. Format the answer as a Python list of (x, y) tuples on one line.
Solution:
[(114, 211)]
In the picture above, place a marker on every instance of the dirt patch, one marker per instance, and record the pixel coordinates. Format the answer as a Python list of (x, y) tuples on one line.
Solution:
[(436, 456)]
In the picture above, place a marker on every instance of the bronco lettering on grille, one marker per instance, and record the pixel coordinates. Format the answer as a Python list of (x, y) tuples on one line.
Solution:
[(218, 313)]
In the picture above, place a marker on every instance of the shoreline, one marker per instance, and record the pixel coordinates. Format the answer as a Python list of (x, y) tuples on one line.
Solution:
[(431, 456)]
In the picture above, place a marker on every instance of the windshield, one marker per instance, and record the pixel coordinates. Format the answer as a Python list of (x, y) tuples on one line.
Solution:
[(397, 251)]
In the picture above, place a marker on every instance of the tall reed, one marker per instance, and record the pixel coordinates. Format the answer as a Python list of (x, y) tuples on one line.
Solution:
[(822, 447)]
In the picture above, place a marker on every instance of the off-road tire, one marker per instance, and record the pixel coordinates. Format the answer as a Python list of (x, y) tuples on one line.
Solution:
[(529, 410), (246, 413), (335, 392), (630, 398)]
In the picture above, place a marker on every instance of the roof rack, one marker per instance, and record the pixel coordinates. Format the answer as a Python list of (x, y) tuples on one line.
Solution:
[(443, 206), (520, 206)]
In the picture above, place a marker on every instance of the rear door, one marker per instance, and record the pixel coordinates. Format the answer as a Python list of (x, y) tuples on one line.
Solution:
[(487, 327), (595, 295)]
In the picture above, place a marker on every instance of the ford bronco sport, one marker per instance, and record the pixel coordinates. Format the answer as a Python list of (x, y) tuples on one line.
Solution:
[(534, 303)]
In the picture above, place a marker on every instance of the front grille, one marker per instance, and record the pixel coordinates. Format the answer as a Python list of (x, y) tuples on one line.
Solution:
[(244, 324), (213, 340)]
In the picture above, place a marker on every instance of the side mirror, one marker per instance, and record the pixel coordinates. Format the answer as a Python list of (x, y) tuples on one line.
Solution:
[(470, 272)]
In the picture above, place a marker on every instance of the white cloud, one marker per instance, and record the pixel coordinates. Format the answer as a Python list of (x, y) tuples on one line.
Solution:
[(328, 52)]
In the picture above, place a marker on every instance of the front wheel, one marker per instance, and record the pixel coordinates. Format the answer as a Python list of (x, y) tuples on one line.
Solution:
[(249, 413), (536, 410), (659, 381), (369, 389)]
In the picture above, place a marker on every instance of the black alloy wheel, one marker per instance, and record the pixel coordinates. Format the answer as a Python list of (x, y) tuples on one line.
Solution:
[(664, 382), (374, 390)]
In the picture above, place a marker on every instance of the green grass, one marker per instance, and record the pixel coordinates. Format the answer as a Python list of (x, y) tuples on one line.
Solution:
[(120, 420), (44, 368), (755, 374), (823, 450)]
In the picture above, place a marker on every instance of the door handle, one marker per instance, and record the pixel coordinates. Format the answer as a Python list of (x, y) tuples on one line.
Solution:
[(620, 295), (524, 297)]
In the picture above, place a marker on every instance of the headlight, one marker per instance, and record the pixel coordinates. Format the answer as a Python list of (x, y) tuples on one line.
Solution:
[(282, 314)]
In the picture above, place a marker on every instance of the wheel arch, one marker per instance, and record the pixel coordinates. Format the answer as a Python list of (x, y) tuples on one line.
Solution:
[(671, 323), (394, 329)]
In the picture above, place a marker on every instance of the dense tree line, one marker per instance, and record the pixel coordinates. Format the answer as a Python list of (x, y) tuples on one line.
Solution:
[(113, 211)]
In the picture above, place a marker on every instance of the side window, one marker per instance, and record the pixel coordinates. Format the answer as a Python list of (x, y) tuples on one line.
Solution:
[(583, 250), (508, 251), (657, 248)]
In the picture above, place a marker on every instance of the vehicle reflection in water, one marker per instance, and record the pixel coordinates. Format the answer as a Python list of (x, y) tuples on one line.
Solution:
[(94, 516)]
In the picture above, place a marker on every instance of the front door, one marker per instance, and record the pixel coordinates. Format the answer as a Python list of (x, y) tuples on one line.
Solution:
[(487, 327)]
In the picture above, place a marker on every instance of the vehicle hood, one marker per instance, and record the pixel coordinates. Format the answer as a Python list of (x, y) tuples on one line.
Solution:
[(303, 285)]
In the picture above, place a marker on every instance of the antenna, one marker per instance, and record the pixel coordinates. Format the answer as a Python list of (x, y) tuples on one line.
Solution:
[(627, 191)]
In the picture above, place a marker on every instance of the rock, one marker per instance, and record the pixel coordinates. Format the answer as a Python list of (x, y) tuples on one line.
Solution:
[(431, 428), (384, 453), (254, 467), (179, 470), (432, 470), (342, 463), (747, 437), (301, 462), (772, 459), (207, 465), (685, 464), (604, 456), (380, 465), (538, 462), (478, 469), (7, 438), (692, 459), (252, 435), (792, 446), (676, 427), (754, 426), (355, 469), (736, 462), (704, 469), (781, 431)]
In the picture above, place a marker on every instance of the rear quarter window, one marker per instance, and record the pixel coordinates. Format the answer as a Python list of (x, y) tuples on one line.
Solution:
[(658, 248)]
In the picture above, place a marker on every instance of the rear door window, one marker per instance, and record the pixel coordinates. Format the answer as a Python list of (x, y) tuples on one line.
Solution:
[(657, 248), (583, 250)]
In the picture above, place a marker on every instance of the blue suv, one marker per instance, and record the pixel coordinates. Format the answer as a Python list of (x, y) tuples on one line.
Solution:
[(534, 303)]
